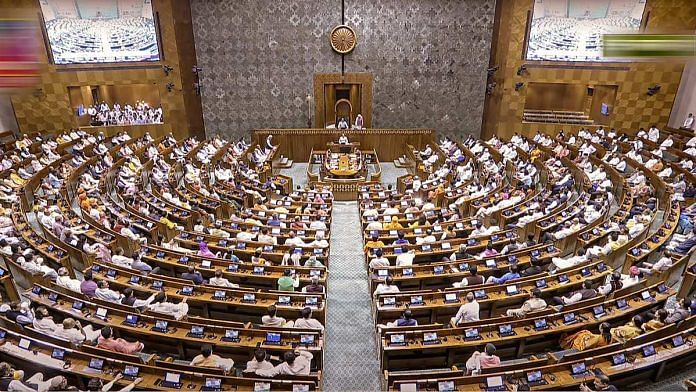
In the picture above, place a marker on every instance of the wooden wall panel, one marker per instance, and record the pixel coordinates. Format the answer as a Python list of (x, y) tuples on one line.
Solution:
[(556, 96), (633, 109)]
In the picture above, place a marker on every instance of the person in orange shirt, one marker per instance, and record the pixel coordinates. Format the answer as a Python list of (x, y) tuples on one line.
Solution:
[(374, 243)]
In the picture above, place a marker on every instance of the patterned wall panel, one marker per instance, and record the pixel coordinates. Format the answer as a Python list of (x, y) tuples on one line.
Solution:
[(428, 59), (633, 107), (259, 58), (47, 108)]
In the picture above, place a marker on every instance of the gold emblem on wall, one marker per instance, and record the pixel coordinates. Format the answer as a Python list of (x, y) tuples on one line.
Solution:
[(343, 39)]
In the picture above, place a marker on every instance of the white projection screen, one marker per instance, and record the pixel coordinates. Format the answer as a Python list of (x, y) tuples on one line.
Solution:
[(100, 31), (571, 30)]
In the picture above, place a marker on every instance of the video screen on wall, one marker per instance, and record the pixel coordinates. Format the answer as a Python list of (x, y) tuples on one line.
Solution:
[(571, 30), (100, 31)]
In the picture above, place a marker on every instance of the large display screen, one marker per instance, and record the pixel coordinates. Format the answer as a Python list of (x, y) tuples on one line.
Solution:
[(571, 30), (100, 31)]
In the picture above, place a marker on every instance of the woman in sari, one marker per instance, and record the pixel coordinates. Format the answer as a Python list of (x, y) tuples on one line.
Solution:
[(657, 322), (628, 331), (585, 340), (203, 250)]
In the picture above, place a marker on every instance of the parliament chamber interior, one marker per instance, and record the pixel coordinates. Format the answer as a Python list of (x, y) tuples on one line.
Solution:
[(347, 195)]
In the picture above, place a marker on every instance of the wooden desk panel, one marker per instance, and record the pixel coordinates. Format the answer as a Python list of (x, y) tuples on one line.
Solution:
[(297, 144)]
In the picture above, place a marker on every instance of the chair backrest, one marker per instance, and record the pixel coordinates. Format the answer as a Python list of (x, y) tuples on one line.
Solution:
[(344, 109)]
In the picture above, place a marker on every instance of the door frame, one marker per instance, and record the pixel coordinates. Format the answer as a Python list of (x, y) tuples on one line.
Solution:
[(365, 81)]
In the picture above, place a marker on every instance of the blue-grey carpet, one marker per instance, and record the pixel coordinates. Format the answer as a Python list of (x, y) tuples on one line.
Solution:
[(351, 355)]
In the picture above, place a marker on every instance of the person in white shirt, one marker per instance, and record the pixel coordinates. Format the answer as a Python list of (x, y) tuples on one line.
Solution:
[(534, 303), (297, 363), (379, 261), (295, 241), (219, 280), (661, 265), (271, 319), (64, 280), (317, 225), (43, 323), (160, 305), (259, 362), (387, 287), (653, 134), (391, 210), (104, 293), (319, 242), (306, 320), (467, 312), (559, 263), (74, 332), (689, 122), (374, 225), (691, 142), (245, 235), (266, 238), (429, 238), (405, 259)]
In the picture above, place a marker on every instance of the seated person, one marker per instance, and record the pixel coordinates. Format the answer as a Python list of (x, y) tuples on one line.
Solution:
[(107, 342), (297, 363), (64, 280), (534, 303), (387, 287), (379, 261), (680, 312), (585, 340), (104, 293), (259, 362), (314, 286), (219, 280), (473, 279), (559, 263), (482, 360), (271, 319), (306, 320), (161, 305), (657, 322), (44, 323), (628, 331), (193, 275), (406, 320), (586, 292), (207, 359), (72, 331), (510, 275), (467, 312), (289, 281)]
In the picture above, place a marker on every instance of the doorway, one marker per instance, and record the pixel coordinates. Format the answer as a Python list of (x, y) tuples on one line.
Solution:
[(342, 96)]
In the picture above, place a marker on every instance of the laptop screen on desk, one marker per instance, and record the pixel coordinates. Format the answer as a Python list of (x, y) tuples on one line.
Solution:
[(534, 376), (578, 368), (429, 336), (446, 386), (494, 382), (273, 337)]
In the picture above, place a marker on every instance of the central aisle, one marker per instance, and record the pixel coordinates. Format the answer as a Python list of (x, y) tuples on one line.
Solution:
[(351, 357)]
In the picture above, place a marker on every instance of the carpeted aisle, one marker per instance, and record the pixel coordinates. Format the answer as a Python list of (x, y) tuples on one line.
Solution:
[(351, 360)]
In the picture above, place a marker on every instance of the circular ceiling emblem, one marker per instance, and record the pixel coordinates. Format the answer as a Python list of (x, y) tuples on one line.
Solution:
[(343, 39)]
